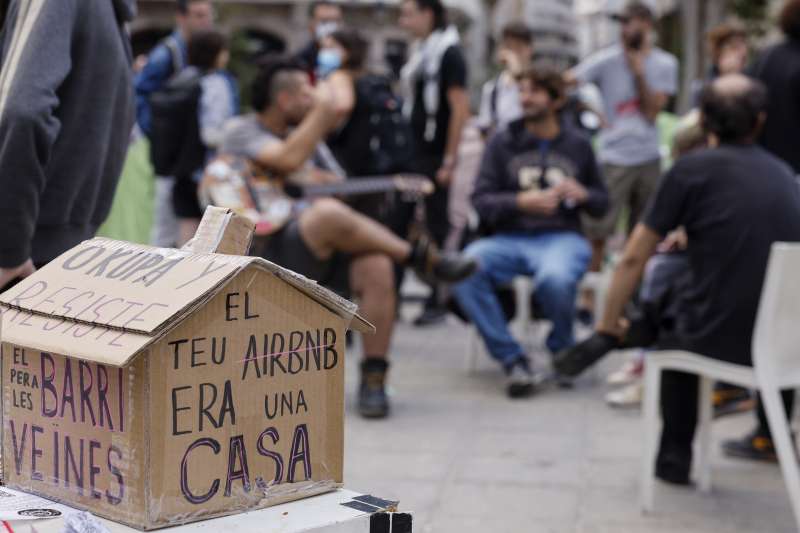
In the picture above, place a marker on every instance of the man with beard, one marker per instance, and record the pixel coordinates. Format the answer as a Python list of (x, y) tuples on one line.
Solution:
[(535, 179)]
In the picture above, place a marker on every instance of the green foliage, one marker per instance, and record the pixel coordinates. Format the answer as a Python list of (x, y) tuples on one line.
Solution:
[(754, 13)]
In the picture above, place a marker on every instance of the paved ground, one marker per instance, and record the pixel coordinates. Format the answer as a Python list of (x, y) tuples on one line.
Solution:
[(465, 459)]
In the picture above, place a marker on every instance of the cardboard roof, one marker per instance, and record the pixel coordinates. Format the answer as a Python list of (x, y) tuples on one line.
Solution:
[(106, 300)]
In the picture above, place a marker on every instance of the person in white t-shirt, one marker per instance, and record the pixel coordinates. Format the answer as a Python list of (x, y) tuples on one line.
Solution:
[(500, 97), (636, 80)]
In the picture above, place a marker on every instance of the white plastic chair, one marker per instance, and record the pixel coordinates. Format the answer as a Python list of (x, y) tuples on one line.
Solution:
[(523, 326), (776, 360)]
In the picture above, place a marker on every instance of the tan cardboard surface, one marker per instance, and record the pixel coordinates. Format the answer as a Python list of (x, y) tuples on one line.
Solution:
[(222, 231), (121, 285), (73, 431), (56, 335), (245, 393), (109, 283)]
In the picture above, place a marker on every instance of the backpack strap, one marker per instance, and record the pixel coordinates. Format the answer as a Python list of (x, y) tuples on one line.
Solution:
[(175, 53)]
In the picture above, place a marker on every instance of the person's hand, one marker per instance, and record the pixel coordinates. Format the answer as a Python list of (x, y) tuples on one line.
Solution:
[(635, 59), (674, 242), (544, 202), (21, 271), (444, 176), (324, 95), (323, 176), (572, 191)]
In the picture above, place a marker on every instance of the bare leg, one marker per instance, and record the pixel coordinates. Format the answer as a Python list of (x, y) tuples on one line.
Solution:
[(372, 281), (330, 226)]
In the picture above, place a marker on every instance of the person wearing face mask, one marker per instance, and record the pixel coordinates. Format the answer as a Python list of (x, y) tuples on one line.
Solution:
[(371, 136), (325, 17)]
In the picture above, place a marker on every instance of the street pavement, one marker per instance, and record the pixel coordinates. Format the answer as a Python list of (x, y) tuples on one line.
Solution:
[(464, 458)]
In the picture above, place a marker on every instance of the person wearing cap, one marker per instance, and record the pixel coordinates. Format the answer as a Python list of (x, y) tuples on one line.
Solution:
[(636, 80)]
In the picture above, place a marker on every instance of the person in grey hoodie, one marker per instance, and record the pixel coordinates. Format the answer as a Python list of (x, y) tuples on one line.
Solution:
[(66, 111)]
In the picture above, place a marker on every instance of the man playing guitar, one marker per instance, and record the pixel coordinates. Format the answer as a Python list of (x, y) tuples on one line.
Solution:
[(284, 137)]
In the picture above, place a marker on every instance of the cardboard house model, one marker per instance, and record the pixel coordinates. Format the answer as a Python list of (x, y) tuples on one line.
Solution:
[(157, 386)]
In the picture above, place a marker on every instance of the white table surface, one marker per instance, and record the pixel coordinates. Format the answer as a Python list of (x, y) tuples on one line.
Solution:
[(322, 514)]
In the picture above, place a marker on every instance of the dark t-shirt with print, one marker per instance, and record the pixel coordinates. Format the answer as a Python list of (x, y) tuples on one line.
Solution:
[(453, 73), (735, 202), (779, 69)]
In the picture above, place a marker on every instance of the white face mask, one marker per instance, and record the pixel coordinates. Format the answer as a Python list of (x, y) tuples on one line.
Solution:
[(324, 29)]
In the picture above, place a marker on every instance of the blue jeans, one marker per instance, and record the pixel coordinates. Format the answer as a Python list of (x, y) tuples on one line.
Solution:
[(556, 260)]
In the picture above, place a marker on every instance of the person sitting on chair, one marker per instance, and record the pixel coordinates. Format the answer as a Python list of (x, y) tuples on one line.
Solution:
[(734, 200), (534, 180), (283, 136)]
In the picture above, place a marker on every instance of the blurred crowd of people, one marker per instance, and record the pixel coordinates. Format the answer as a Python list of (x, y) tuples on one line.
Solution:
[(559, 176)]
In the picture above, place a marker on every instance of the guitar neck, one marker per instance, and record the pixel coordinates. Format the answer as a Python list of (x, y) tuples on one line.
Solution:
[(351, 187)]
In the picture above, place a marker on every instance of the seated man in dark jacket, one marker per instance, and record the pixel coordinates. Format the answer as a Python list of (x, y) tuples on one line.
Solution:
[(735, 200), (534, 180)]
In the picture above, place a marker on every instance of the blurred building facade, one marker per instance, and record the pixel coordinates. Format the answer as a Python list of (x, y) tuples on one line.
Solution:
[(264, 26)]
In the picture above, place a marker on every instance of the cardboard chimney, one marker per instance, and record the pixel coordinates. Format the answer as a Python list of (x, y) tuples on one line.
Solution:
[(157, 387)]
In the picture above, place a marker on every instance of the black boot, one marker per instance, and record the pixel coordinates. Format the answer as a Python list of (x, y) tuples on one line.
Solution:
[(372, 399), (431, 265)]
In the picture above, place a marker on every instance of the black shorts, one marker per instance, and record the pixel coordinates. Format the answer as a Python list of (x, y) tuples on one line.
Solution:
[(287, 248)]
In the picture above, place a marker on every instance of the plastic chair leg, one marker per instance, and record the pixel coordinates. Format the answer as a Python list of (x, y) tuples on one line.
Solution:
[(779, 427), (705, 416), (652, 392)]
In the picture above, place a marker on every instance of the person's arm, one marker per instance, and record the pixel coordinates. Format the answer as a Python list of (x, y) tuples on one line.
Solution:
[(458, 98), (216, 107), (652, 99), (490, 201), (454, 77), (289, 155), (494, 202), (667, 211), (596, 203), (149, 79), (343, 88), (485, 112), (627, 275), (587, 71), (37, 60)]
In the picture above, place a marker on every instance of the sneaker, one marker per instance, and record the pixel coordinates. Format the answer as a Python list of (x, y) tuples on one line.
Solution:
[(520, 380), (732, 400), (572, 361), (431, 265), (627, 397), (628, 373), (372, 399), (755, 446), (673, 467)]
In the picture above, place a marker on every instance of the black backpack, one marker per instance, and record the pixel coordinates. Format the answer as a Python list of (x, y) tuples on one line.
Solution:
[(377, 140), (176, 148)]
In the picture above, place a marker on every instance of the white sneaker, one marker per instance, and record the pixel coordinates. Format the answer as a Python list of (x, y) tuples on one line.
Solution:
[(628, 373), (630, 396)]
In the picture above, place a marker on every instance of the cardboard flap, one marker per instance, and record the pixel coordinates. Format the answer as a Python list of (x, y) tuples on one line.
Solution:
[(62, 336), (325, 297), (119, 285)]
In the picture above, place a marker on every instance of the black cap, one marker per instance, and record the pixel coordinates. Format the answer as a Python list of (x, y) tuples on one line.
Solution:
[(638, 10)]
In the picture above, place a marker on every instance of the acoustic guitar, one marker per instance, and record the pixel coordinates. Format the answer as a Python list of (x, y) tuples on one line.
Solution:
[(238, 184)]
